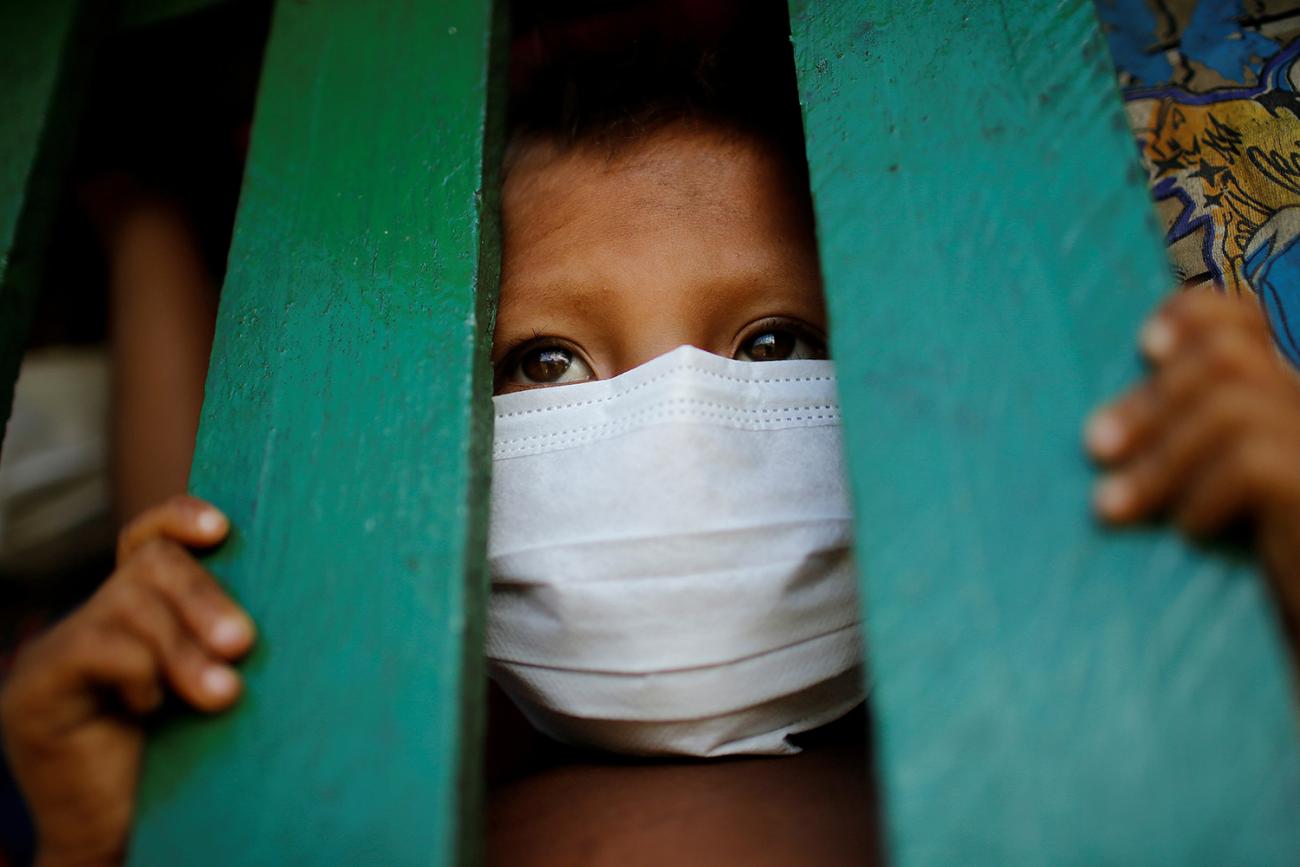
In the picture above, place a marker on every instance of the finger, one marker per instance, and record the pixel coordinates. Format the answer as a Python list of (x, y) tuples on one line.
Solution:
[(1247, 477), (141, 611), (131, 669), (220, 626), (62, 680), (183, 518), (1117, 431), (1112, 432), (1188, 316), (1156, 477)]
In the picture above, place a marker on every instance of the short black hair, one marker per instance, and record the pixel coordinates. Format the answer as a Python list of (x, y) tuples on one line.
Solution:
[(741, 80)]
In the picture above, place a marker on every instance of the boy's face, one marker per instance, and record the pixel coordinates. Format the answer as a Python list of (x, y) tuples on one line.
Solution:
[(693, 236)]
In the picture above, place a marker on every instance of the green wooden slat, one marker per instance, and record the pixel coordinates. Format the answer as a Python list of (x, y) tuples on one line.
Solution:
[(142, 13), (45, 50), (346, 432), (1046, 692)]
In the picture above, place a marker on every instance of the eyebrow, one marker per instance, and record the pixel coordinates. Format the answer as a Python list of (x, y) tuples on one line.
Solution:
[(560, 291), (539, 320)]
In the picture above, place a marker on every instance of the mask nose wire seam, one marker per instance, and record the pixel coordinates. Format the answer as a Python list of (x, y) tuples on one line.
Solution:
[(678, 407), (658, 378), (518, 445)]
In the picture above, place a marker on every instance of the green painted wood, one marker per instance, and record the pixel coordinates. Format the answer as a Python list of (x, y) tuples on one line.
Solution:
[(142, 13), (1046, 692), (45, 51), (346, 432)]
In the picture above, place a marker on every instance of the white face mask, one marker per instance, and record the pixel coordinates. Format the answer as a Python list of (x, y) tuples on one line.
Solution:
[(670, 557)]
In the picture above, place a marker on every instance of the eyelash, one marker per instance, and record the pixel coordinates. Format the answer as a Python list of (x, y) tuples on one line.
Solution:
[(503, 368), (779, 323), (513, 356)]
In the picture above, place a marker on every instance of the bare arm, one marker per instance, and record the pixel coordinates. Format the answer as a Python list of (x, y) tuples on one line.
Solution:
[(162, 309)]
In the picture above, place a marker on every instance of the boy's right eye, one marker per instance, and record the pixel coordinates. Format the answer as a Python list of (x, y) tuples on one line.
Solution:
[(544, 364)]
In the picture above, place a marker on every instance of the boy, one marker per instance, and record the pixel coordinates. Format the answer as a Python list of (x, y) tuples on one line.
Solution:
[(679, 220)]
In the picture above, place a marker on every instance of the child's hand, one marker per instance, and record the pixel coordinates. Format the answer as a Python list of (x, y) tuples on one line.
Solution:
[(1212, 436), (72, 708)]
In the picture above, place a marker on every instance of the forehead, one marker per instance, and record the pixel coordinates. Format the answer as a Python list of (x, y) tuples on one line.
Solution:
[(699, 187)]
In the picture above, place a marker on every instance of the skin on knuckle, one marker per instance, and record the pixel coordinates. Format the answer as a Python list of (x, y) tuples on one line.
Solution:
[(11, 709), (1179, 303), (126, 659), (1211, 499), (142, 696), (178, 503), (129, 667), (135, 532), (17, 718), (15, 698), (133, 660), (1246, 317), (1143, 474), (199, 595), (1214, 312), (72, 656), (1174, 384), (201, 601), (193, 595), (1287, 482), (152, 523), (149, 618), (1230, 356), (132, 528), (1196, 308), (1192, 518), (184, 659), (1217, 507), (1261, 466), (169, 637), (118, 599), (183, 507), (1220, 415), (129, 664), (185, 673), (1139, 415), (27, 701), (86, 644), (1252, 314), (35, 654), (1168, 457), (1237, 474), (163, 564), (41, 663), (1138, 405), (1165, 469)]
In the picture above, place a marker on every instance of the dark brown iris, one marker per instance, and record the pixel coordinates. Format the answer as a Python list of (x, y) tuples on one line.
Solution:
[(771, 346), (547, 364)]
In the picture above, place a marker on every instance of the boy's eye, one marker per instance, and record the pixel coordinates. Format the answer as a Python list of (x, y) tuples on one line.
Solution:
[(548, 365), (780, 341)]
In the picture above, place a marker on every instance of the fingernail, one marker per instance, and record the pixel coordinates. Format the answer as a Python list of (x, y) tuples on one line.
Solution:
[(1104, 434), (1113, 497), (231, 632), (1157, 338), (219, 681), (210, 521)]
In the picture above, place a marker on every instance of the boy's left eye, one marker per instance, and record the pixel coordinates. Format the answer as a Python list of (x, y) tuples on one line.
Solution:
[(780, 340)]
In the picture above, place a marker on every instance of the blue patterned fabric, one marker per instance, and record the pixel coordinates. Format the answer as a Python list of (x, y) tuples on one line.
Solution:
[(1211, 92)]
